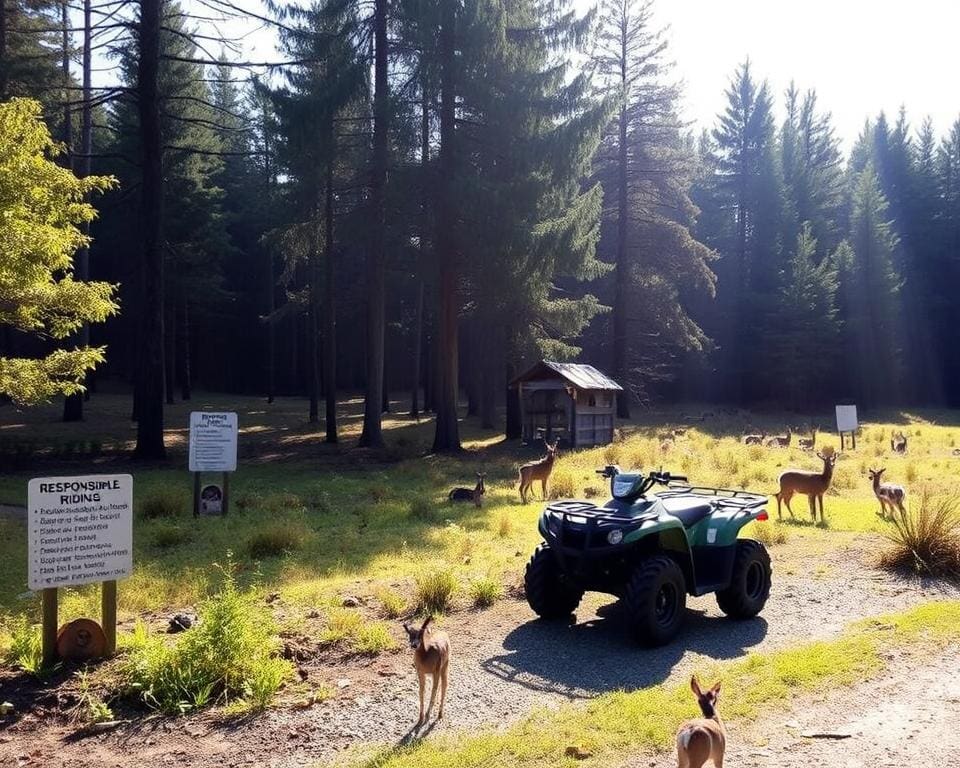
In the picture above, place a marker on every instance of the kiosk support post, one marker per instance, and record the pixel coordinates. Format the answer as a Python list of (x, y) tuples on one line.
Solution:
[(108, 614), (49, 632)]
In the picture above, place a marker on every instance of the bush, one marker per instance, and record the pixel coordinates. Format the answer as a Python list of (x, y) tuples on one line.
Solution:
[(347, 628), (162, 503), (504, 525), (394, 604), (342, 625), (485, 592), (169, 535), (767, 533), (373, 638), (926, 541), (275, 539), (26, 647), (561, 484), (229, 655), (435, 590)]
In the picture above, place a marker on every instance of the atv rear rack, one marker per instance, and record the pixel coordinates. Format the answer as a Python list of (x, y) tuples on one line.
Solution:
[(723, 497)]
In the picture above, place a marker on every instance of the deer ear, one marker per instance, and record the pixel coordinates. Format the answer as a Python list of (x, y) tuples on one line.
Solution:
[(716, 689), (695, 687)]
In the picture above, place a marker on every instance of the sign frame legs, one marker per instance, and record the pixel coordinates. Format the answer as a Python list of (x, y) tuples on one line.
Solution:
[(51, 619), (225, 485)]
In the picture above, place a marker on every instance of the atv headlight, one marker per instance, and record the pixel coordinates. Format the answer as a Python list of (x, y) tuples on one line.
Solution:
[(615, 536)]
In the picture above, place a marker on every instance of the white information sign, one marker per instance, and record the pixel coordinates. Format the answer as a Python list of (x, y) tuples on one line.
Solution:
[(79, 530), (847, 418), (213, 442)]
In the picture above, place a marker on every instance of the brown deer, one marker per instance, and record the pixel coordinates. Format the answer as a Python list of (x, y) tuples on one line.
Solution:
[(754, 439), (706, 737), (538, 470), (474, 494), (812, 484), (808, 443), (431, 656), (888, 494), (779, 441), (898, 443)]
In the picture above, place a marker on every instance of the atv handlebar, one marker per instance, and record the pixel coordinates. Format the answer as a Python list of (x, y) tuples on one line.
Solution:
[(664, 478)]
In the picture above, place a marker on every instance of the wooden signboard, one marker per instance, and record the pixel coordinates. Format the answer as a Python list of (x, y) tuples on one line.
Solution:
[(847, 424)]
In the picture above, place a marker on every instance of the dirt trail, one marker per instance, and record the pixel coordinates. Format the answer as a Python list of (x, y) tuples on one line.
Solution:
[(504, 664)]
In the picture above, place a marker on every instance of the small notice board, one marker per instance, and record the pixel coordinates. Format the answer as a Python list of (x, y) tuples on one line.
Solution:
[(213, 448), (847, 424)]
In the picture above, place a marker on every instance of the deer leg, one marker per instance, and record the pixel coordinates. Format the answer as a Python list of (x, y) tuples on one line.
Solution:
[(422, 678), (779, 515), (443, 688), (820, 497), (812, 501), (543, 488), (433, 692), (786, 500)]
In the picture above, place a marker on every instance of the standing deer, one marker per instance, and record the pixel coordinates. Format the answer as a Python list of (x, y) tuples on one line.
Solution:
[(754, 439), (704, 738), (812, 484), (474, 494), (538, 470), (431, 656), (888, 494), (808, 443), (779, 441), (898, 443)]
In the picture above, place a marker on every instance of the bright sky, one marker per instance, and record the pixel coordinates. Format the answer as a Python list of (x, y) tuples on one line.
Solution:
[(862, 56)]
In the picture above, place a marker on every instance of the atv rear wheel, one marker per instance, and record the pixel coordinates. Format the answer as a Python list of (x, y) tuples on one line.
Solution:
[(656, 600), (750, 586), (548, 592)]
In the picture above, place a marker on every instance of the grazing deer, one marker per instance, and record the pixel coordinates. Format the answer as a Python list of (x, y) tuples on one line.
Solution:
[(898, 443), (754, 439), (704, 738), (808, 443), (431, 656), (888, 494), (538, 470), (779, 441), (812, 484), (474, 494)]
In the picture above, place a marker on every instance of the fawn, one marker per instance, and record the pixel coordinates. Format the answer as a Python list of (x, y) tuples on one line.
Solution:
[(813, 484), (431, 656), (704, 738), (898, 443), (808, 443), (779, 441), (474, 494), (754, 439), (538, 470), (888, 494)]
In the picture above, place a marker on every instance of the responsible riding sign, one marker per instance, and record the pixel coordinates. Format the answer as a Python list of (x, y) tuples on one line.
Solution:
[(213, 442)]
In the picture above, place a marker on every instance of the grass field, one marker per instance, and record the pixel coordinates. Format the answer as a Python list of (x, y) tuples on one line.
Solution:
[(314, 522)]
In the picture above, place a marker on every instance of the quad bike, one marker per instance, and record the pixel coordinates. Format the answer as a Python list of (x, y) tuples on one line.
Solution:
[(651, 550)]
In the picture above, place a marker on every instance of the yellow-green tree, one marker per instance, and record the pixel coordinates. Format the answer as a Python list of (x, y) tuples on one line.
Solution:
[(42, 209)]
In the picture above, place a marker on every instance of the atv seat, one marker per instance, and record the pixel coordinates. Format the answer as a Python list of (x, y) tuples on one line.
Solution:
[(688, 511)]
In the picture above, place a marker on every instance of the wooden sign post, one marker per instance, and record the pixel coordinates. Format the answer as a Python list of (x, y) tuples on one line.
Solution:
[(847, 424), (79, 531), (213, 448)]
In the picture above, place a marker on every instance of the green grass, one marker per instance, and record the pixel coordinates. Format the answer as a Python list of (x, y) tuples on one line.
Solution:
[(347, 629), (616, 725), (485, 592), (434, 590)]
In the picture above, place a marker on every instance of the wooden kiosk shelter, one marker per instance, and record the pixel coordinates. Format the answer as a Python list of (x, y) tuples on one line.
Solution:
[(570, 401)]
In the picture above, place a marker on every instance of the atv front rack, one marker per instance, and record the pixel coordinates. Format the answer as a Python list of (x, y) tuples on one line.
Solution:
[(721, 497)]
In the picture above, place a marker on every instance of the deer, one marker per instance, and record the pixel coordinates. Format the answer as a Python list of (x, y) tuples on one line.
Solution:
[(898, 443), (812, 484), (808, 443), (706, 737), (431, 656), (779, 441), (888, 494), (474, 494), (538, 470), (754, 439)]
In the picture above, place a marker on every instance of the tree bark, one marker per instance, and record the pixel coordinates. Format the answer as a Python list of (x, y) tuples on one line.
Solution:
[(170, 360), (329, 304), (622, 273), (422, 254), (271, 283), (185, 372), (372, 434), (447, 436), (313, 317), (417, 350), (150, 376), (514, 428)]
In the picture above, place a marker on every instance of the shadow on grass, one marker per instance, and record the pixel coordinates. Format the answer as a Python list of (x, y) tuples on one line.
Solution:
[(583, 659)]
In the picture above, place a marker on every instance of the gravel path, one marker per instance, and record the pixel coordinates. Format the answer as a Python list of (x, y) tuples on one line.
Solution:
[(504, 664)]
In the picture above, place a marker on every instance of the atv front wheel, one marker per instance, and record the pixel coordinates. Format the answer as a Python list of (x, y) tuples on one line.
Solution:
[(750, 586), (548, 592), (656, 600)]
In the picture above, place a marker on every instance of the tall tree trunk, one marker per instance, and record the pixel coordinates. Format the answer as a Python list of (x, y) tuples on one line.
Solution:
[(73, 405), (313, 316), (372, 434), (329, 303), (418, 328), (514, 428), (65, 65), (271, 284), (150, 376), (417, 350), (185, 372), (3, 50), (488, 379), (170, 360), (447, 435), (622, 273), (471, 368)]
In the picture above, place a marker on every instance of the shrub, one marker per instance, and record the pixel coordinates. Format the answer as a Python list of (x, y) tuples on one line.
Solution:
[(561, 484), (485, 592), (169, 535), (926, 540), (275, 539), (229, 655), (504, 525), (911, 472), (767, 533), (434, 591), (394, 604), (373, 638), (26, 647), (165, 502), (612, 453)]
